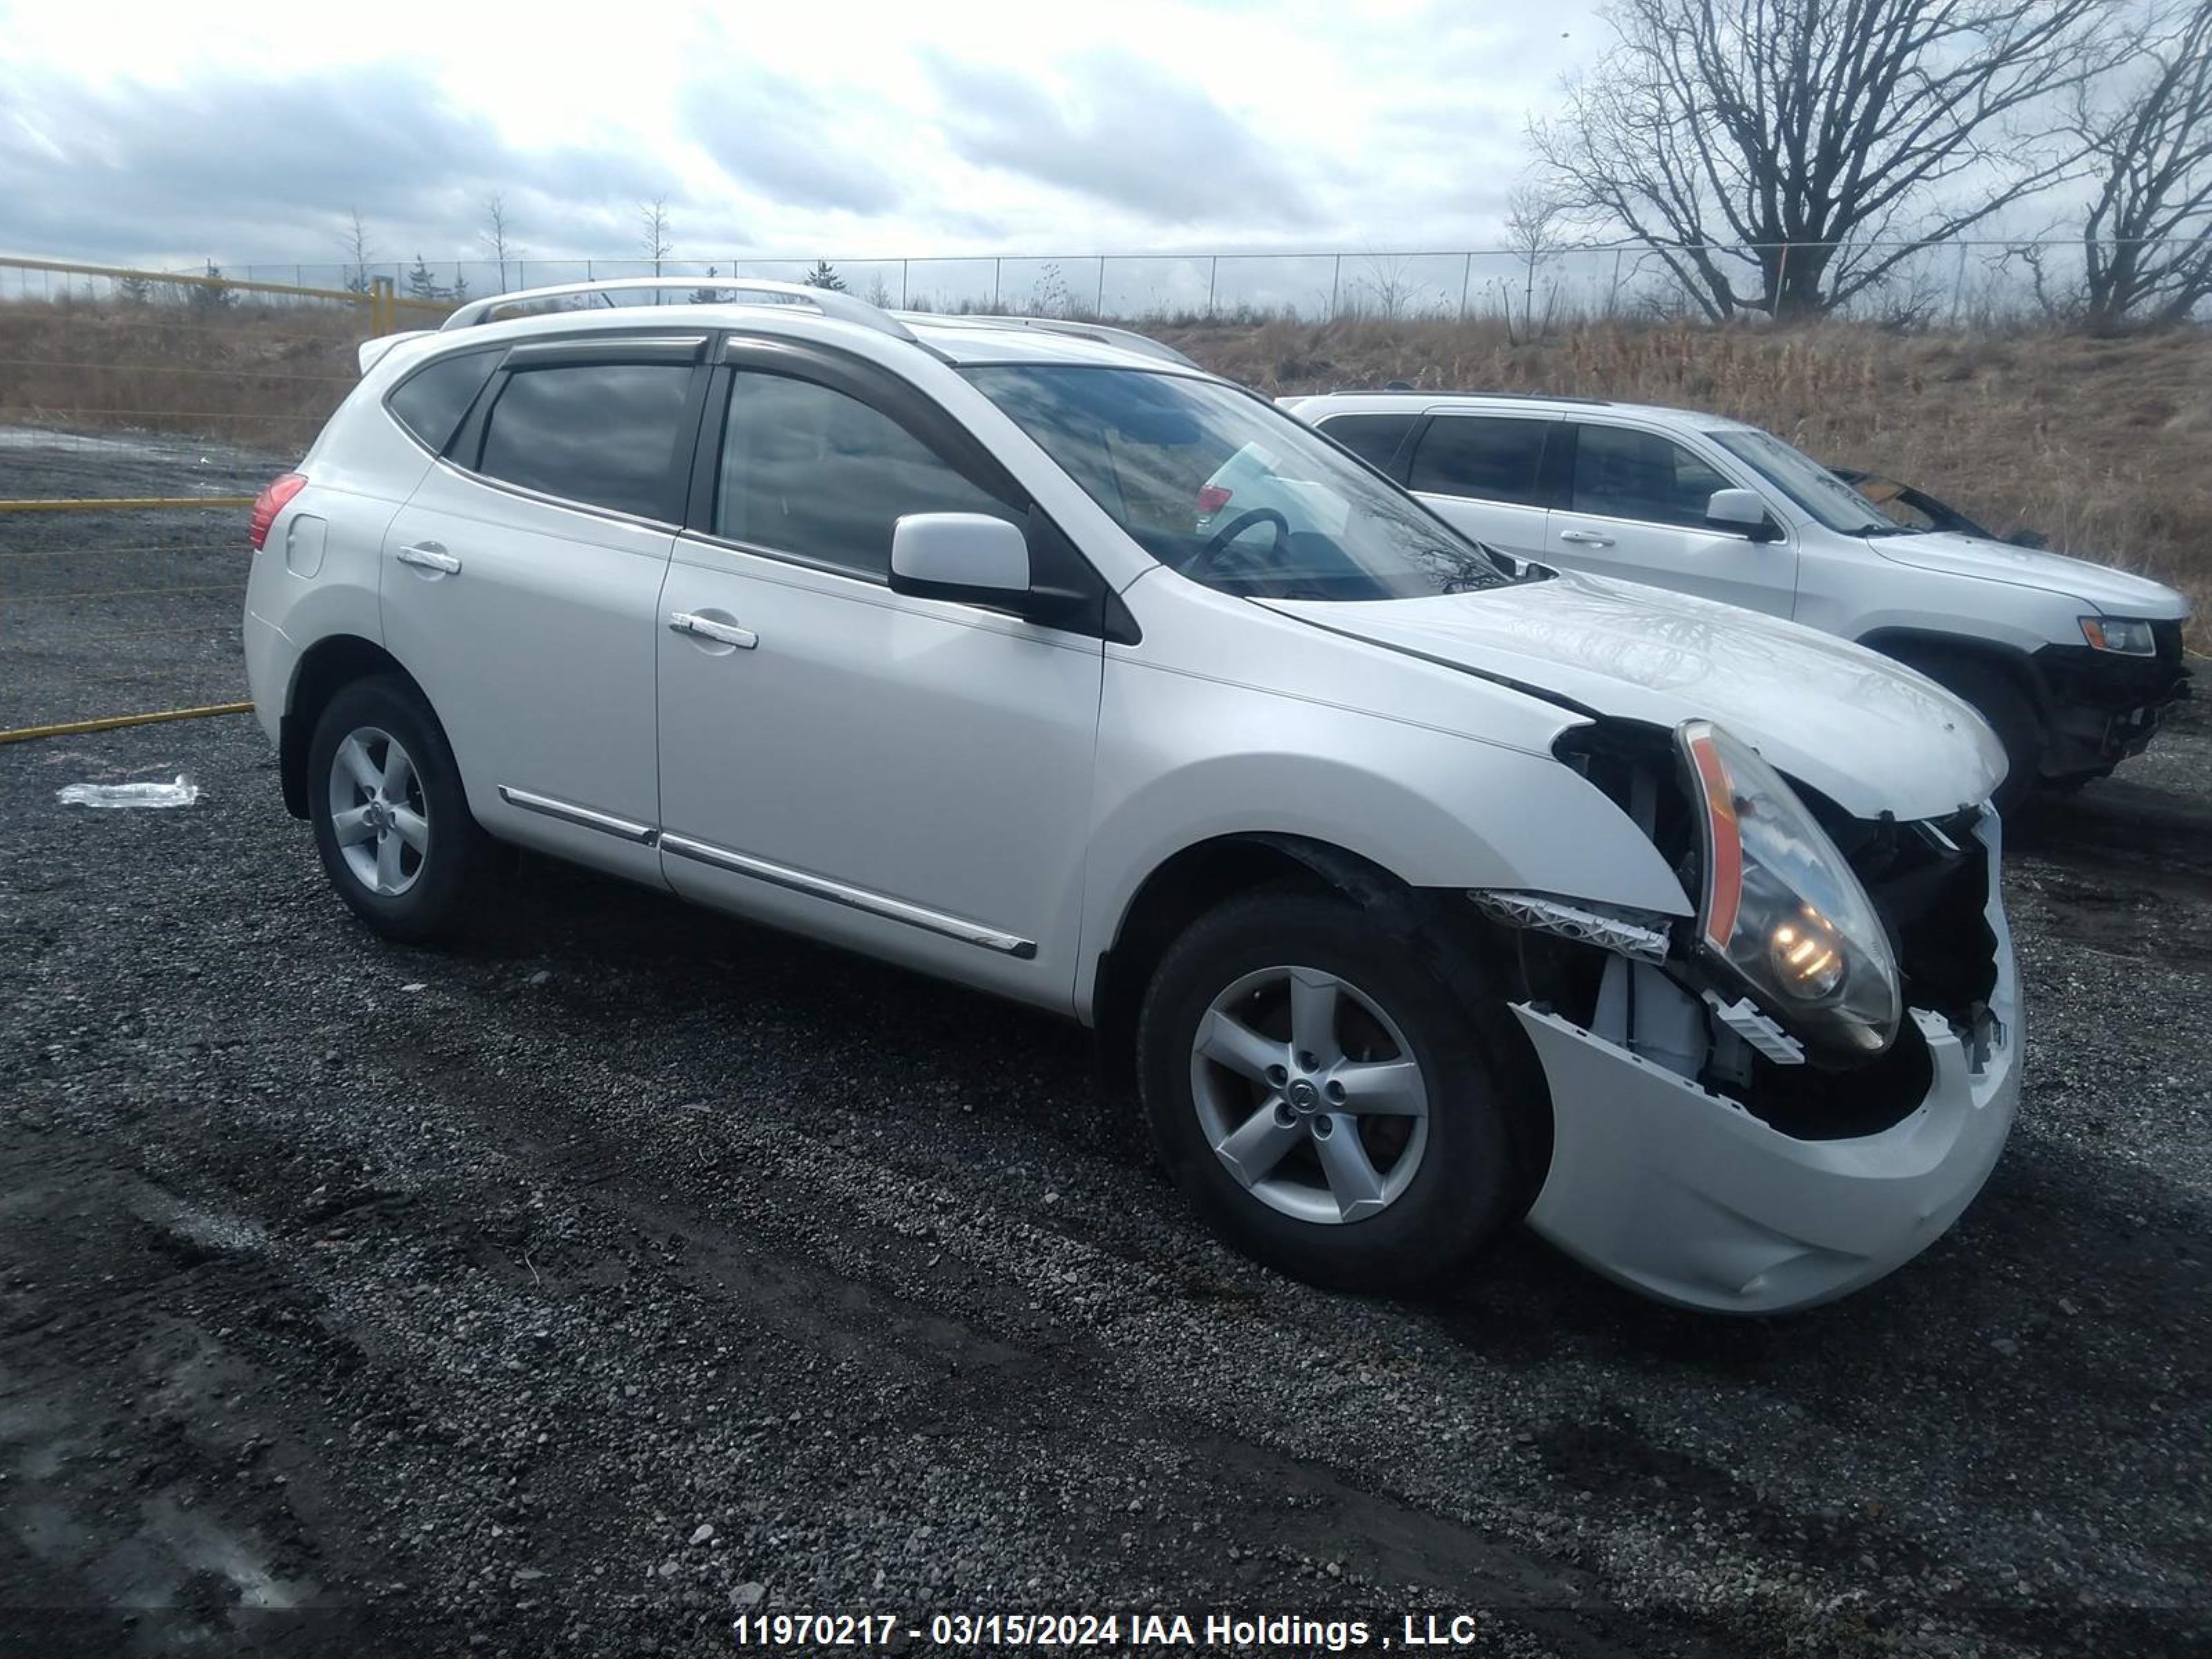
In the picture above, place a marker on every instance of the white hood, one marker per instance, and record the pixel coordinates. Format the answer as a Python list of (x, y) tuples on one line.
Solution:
[(1869, 734), (2098, 587)]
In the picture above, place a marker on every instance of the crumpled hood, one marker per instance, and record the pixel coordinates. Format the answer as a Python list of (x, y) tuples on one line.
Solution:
[(1867, 732), (2098, 587)]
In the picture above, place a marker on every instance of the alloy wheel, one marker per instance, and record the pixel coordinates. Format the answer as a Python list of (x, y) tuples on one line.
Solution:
[(377, 814), (1310, 1095)]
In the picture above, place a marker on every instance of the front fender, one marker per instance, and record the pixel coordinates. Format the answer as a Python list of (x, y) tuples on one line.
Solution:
[(1182, 762)]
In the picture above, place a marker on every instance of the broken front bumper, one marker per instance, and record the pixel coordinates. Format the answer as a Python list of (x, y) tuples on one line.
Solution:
[(1681, 1194)]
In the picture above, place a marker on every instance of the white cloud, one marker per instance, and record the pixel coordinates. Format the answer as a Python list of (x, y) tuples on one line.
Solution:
[(244, 131)]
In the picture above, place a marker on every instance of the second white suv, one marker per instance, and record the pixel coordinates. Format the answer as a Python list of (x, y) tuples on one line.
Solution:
[(2072, 663), (1418, 892)]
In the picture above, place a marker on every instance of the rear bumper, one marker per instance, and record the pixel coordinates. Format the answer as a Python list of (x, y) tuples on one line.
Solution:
[(1682, 1195), (269, 659)]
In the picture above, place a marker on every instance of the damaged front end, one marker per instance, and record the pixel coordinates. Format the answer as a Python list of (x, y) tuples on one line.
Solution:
[(1784, 1098)]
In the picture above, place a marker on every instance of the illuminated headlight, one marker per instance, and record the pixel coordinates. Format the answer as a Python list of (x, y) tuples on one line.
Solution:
[(2119, 635), (1782, 911)]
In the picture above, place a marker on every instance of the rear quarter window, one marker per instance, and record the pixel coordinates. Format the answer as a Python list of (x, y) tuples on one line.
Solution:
[(430, 402)]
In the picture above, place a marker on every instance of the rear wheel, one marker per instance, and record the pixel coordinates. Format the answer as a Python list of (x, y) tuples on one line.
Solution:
[(1324, 1098), (2000, 700), (391, 821)]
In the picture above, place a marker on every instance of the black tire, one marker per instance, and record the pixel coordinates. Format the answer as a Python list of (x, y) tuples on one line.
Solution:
[(448, 875), (2000, 699), (1472, 1179)]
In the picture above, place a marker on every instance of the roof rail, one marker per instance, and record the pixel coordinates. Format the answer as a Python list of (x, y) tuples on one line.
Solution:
[(1400, 389), (841, 307), (1127, 339)]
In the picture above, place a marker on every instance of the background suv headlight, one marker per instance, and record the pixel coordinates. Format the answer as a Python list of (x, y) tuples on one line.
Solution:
[(1782, 911), (2120, 636)]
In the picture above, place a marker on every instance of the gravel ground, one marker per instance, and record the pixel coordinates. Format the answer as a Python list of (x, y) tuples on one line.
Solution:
[(108, 613), (630, 1265)]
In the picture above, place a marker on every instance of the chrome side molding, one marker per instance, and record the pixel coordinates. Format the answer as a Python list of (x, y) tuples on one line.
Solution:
[(569, 813), (856, 898)]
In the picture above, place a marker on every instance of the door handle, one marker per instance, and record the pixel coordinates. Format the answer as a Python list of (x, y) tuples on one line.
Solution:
[(706, 627), (1585, 539), (428, 555)]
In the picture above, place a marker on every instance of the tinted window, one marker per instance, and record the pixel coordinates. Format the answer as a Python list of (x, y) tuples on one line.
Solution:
[(1639, 475), (812, 472), (1492, 460), (1374, 438), (605, 433), (430, 402)]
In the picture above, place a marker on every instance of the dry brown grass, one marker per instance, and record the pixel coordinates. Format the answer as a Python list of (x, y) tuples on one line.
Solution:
[(2104, 445), (253, 375)]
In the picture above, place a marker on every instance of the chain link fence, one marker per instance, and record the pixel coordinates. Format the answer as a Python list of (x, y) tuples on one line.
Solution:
[(1952, 284)]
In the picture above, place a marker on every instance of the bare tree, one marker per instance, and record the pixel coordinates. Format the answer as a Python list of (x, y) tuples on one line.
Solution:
[(495, 235), (355, 240), (653, 220), (1831, 139), (2147, 236), (1535, 227), (1388, 287)]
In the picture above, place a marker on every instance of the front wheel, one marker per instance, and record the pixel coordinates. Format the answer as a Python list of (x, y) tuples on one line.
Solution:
[(391, 821), (1325, 1099)]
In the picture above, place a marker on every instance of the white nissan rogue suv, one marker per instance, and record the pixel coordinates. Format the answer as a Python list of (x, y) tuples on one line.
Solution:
[(2071, 663), (1422, 891)]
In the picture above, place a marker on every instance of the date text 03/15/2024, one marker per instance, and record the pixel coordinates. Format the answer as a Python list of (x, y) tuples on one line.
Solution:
[(1302, 1633)]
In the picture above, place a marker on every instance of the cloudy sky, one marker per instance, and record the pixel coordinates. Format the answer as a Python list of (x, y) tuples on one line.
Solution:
[(244, 131)]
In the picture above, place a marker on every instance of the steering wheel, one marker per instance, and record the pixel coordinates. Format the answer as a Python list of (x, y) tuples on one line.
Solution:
[(1217, 543)]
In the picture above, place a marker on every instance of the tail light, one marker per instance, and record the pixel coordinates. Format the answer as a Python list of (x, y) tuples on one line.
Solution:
[(1212, 499), (270, 502)]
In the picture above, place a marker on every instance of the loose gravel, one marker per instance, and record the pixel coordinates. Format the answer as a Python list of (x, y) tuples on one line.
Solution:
[(628, 1266)]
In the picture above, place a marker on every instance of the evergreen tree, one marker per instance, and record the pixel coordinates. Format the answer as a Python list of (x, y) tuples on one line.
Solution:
[(212, 296), (824, 274)]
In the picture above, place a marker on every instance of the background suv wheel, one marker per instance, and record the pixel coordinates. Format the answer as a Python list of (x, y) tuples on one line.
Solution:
[(391, 819), (1999, 699), (1324, 1097)]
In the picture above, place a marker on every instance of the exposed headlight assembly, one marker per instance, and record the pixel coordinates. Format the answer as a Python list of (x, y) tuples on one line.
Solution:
[(2120, 637), (1782, 912)]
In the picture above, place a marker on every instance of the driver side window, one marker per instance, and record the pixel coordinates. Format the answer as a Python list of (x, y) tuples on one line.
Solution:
[(1621, 473), (807, 470)]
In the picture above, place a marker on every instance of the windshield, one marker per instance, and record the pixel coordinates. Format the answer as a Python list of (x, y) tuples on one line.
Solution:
[(1228, 490), (1805, 481)]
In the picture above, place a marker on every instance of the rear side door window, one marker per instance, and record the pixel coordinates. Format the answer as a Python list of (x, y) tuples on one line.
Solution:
[(603, 434), (1484, 458), (1622, 473), (811, 471)]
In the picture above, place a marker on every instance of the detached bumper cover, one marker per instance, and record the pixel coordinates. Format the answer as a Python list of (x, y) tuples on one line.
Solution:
[(1682, 1195)]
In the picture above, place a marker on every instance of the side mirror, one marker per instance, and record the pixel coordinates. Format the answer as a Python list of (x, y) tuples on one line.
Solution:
[(1741, 510), (971, 557)]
